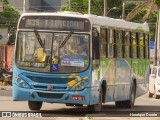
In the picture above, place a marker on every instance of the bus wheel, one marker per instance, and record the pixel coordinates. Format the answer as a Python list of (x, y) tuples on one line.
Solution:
[(96, 107), (119, 104), (150, 95), (34, 105), (130, 103)]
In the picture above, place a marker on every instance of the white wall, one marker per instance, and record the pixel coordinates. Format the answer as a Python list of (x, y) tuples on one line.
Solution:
[(4, 33)]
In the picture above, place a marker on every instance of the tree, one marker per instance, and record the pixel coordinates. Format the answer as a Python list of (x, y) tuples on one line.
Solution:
[(97, 6), (151, 6), (9, 17)]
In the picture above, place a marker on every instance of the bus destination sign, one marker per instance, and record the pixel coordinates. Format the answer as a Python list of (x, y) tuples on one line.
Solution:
[(55, 23)]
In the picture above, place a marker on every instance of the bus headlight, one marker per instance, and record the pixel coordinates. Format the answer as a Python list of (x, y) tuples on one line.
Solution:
[(19, 80), (22, 83)]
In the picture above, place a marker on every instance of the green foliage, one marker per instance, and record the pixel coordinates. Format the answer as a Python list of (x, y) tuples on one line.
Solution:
[(152, 20), (157, 2), (138, 17), (1, 83), (4, 2), (114, 3), (82, 6), (9, 17), (97, 6), (130, 6)]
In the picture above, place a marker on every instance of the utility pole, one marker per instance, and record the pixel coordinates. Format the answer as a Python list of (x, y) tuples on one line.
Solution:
[(89, 7), (105, 7), (157, 37), (69, 4), (24, 6), (123, 9), (155, 46)]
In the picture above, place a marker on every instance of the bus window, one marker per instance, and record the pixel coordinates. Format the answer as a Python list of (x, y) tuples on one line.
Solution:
[(134, 45), (41, 54), (127, 44), (146, 46), (119, 43), (111, 43), (103, 50), (141, 45)]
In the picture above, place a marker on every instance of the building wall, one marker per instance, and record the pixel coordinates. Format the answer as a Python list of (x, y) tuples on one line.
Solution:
[(4, 34), (34, 5), (38, 5), (51, 5)]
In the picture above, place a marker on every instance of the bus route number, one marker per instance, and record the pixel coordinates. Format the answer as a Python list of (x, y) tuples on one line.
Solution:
[(33, 83)]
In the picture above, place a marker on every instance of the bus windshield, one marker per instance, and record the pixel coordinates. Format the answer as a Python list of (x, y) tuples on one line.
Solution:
[(52, 52)]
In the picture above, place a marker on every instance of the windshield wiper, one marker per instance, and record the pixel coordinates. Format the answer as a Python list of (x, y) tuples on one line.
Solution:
[(39, 38), (66, 39)]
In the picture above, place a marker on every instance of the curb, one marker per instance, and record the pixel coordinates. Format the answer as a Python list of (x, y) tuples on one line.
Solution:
[(5, 87)]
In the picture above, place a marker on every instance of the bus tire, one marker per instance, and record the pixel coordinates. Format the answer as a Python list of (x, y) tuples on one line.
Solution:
[(96, 107), (130, 103), (119, 104), (150, 95), (34, 105)]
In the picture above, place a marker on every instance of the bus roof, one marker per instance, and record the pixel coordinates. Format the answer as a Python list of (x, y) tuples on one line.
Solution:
[(97, 20)]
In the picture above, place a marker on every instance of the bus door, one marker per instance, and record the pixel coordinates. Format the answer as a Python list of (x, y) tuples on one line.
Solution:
[(95, 55)]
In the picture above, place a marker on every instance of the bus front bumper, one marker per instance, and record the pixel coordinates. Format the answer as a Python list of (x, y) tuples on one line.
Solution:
[(73, 97)]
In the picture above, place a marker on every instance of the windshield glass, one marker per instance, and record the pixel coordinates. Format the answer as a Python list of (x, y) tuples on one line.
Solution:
[(52, 52)]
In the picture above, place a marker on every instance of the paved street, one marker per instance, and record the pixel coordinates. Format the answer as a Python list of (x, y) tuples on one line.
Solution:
[(143, 106)]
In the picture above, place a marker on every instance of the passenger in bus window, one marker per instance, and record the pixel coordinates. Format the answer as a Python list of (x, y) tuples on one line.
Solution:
[(40, 55)]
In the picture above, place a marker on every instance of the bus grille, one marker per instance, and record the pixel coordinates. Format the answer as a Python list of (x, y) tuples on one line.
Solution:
[(50, 95), (50, 80), (45, 88)]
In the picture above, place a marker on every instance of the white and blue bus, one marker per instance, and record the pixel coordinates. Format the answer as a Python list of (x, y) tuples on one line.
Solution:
[(76, 59)]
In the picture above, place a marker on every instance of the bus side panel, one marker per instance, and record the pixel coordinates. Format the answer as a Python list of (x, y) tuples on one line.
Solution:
[(107, 71), (20, 96), (122, 82), (18, 93), (144, 70), (95, 85), (140, 73)]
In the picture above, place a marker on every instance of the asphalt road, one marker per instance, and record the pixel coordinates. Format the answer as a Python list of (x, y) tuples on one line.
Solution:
[(148, 108)]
